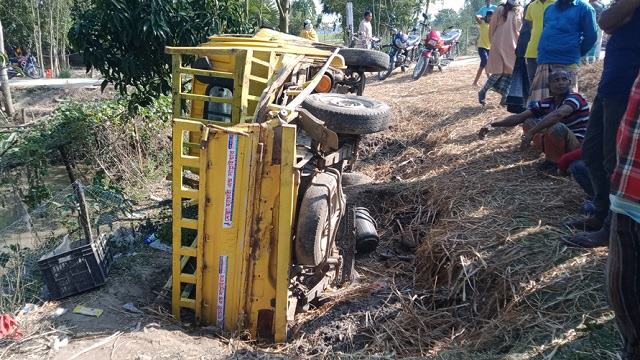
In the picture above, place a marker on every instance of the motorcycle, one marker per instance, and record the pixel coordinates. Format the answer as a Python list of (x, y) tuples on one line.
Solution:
[(438, 50), (403, 51), (22, 66), (357, 43)]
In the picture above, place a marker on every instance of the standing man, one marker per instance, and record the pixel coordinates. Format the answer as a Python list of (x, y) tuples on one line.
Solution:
[(594, 53), (483, 10), (568, 33), (365, 31), (621, 66), (623, 272), (535, 16)]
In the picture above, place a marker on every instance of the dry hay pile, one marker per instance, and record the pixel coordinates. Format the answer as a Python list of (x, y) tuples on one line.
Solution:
[(490, 275)]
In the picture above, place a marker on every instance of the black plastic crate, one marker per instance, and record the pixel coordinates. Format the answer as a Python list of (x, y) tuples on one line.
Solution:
[(73, 268)]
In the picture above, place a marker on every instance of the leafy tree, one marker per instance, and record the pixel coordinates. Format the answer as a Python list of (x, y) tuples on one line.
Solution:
[(300, 11), (18, 24), (125, 39), (444, 18), (39, 27), (263, 13), (401, 14)]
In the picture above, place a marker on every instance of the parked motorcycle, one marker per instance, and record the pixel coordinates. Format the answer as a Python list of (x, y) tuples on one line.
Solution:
[(402, 51), (438, 50), (356, 42), (22, 66)]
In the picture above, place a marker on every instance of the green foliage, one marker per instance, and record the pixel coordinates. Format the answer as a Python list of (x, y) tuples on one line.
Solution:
[(91, 134), (125, 39), (445, 17), (108, 200), (263, 13), (396, 13), (64, 74), (18, 23), (300, 11)]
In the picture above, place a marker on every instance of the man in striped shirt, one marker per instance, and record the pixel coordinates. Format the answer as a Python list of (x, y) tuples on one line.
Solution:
[(623, 275), (556, 125)]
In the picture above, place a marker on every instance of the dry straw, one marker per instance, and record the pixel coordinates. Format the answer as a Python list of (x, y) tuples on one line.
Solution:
[(490, 273)]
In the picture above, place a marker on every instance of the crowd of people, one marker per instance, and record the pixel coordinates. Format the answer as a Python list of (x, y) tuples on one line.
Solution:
[(533, 58)]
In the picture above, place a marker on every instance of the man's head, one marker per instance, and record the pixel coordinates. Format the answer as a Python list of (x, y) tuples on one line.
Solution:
[(559, 82), (368, 16), (488, 2), (487, 17), (307, 24)]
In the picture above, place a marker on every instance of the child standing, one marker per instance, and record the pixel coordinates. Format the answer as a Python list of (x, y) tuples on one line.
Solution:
[(484, 43)]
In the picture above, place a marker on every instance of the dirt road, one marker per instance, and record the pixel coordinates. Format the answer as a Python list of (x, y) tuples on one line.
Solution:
[(17, 83)]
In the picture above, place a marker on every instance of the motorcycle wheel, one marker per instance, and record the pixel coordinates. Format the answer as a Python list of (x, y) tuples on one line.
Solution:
[(453, 52), (385, 73), (32, 72), (420, 68)]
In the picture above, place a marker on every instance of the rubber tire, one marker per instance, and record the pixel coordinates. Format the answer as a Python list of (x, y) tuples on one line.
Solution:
[(368, 60), (33, 73), (370, 117), (420, 68), (383, 74), (313, 215), (453, 54)]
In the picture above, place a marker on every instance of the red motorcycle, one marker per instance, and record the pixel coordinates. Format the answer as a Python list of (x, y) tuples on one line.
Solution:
[(439, 49)]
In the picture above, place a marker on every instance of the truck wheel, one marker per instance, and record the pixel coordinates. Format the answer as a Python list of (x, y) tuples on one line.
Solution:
[(349, 114), (315, 228), (365, 59)]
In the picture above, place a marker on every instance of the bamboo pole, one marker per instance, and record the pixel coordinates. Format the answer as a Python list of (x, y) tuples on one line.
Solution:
[(4, 80)]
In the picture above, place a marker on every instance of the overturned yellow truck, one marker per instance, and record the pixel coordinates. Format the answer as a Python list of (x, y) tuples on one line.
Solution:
[(262, 135)]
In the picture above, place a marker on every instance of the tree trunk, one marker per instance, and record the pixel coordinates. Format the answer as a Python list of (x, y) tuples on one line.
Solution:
[(39, 39), (283, 8), (57, 41), (51, 40), (4, 80)]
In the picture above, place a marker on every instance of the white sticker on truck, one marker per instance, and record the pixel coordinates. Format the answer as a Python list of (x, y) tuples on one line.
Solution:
[(230, 180), (222, 291)]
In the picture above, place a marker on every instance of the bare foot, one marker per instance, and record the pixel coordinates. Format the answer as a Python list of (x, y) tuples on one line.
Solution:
[(475, 84)]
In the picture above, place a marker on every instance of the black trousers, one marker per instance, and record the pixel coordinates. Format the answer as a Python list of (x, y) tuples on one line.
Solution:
[(623, 281), (599, 147)]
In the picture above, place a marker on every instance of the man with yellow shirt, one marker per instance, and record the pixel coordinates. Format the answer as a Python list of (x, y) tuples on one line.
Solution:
[(535, 15), (484, 43)]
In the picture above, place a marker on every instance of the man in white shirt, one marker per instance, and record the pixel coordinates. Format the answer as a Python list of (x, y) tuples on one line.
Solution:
[(365, 31)]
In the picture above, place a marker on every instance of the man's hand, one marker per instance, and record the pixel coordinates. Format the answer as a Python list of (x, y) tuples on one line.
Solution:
[(483, 131), (526, 141)]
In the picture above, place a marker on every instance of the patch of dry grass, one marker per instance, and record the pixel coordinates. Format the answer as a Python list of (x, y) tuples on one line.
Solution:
[(491, 275)]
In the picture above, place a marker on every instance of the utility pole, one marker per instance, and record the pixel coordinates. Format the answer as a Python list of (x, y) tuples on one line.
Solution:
[(4, 79)]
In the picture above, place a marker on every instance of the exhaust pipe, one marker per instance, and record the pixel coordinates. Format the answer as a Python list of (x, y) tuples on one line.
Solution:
[(367, 238)]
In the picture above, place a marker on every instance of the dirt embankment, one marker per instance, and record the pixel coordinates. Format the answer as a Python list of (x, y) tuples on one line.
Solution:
[(470, 264)]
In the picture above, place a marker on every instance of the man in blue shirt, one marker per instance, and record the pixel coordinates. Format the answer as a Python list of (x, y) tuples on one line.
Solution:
[(483, 10), (569, 31), (621, 67)]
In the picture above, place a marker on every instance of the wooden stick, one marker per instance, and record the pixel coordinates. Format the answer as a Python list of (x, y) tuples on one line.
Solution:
[(97, 345)]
